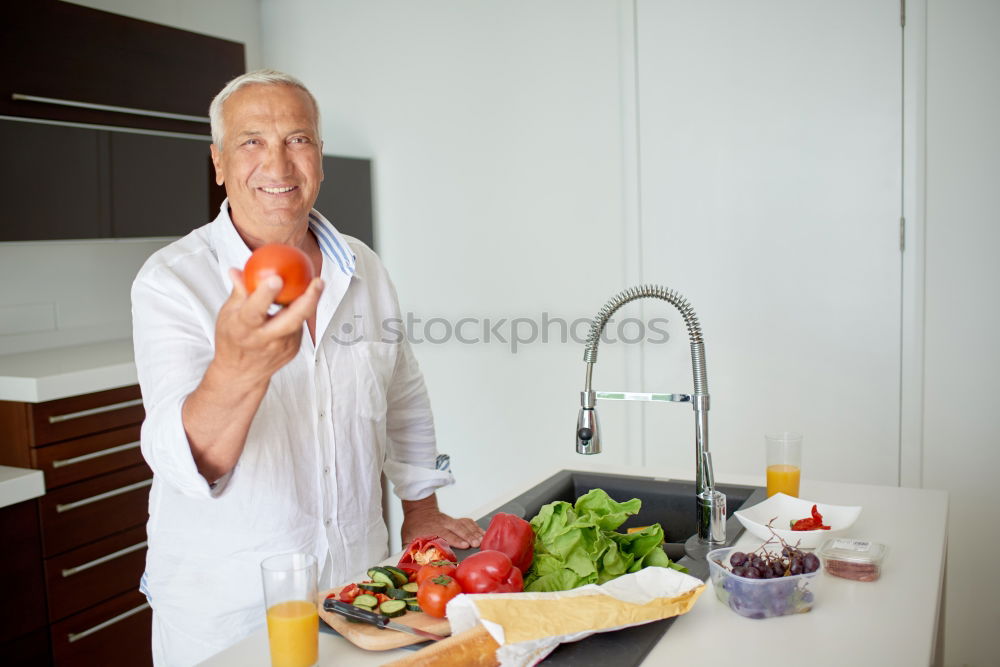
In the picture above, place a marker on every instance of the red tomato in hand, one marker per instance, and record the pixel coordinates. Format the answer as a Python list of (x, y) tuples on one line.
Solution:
[(489, 572), (435, 569), (293, 265), (434, 593)]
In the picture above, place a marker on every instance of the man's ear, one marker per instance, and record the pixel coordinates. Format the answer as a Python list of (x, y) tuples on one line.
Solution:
[(217, 162)]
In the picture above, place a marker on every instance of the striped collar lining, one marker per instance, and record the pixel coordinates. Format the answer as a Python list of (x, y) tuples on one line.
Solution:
[(331, 243)]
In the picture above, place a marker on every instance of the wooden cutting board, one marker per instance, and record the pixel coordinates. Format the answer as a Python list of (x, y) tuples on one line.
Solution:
[(372, 638)]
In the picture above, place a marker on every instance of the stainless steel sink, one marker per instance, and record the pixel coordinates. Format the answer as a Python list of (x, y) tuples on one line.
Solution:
[(672, 504)]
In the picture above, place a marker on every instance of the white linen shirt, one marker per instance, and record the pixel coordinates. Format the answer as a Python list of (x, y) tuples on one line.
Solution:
[(309, 479)]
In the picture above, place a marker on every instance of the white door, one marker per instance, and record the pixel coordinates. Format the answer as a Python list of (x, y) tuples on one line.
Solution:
[(769, 173)]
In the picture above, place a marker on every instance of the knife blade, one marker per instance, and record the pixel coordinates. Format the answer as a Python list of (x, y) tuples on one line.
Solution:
[(357, 613)]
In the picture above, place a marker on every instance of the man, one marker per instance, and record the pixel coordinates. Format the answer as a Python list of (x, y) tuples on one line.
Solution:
[(267, 435)]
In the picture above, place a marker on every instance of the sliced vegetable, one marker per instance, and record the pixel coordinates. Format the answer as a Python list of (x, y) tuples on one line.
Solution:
[(412, 604), (401, 577), (489, 572), (398, 594), (380, 574), (392, 608), (513, 536), (814, 522), (366, 600), (376, 586), (411, 587), (349, 592)]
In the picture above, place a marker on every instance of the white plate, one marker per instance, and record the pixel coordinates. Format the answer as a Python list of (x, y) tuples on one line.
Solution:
[(783, 509)]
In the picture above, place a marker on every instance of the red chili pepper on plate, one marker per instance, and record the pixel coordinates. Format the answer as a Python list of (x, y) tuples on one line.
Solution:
[(513, 536), (814, 522), (424, 550)]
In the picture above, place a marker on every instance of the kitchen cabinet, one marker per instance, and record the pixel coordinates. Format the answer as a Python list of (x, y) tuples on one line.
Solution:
[(159, 186), (52, 181), (89, 527), (24, 637)]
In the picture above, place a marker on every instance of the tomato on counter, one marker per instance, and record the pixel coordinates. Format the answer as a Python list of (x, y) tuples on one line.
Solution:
[(433, 595)]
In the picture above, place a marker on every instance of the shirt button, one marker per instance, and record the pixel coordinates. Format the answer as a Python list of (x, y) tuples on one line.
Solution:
[(321, 414), (328, 522), (326, 470)]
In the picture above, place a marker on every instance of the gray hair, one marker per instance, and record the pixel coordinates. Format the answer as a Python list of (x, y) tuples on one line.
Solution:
[(268, 77)]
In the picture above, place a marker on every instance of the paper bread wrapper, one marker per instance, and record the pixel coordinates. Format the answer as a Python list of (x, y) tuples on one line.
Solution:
[(528, 626)]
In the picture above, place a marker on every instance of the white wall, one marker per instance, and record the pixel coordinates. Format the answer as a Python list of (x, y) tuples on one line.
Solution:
[(497, 131), (59, 293), (962, 355)]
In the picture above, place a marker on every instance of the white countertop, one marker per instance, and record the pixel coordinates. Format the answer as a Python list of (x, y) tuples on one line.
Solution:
[(20, 484), (894, 620), (46, 375)]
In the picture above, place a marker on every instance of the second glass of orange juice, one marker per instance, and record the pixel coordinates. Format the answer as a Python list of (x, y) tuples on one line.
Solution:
[(784, 462), (292, 617)]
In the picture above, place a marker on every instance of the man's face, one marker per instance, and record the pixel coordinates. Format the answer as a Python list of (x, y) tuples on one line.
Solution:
[(270, 160)]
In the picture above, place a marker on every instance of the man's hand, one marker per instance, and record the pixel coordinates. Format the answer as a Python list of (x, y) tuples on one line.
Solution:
[(422, 517), (250, 346)]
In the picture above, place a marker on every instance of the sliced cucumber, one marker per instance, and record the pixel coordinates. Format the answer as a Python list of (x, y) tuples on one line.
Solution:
[(399, 575), (380, 574), (411, 587), (365, 600), (392, 608), (398, 593), (412, 604), (373, 586)]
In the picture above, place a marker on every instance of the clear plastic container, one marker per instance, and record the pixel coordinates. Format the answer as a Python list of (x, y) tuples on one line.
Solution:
[(860, 560), (760, 598)]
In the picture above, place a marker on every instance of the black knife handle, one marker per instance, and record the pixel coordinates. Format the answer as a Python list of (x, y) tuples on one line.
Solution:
[(357, 613)]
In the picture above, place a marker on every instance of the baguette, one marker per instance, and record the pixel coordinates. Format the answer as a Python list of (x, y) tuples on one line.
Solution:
[(472, 648)]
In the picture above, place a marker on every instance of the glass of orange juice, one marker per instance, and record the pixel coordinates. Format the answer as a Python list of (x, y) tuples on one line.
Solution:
[(292, 618), (784, 462)]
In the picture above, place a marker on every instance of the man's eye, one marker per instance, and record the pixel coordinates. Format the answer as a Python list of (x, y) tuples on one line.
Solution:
[(251, 142), (299, 140)]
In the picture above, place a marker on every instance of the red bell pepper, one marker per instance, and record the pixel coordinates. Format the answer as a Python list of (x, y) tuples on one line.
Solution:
[(489, 572), (424, 550), (512, 535), (814, 522)]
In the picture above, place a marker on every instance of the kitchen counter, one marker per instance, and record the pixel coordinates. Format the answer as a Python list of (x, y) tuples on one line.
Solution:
[(20, 484), (895, 620), (45, 375)]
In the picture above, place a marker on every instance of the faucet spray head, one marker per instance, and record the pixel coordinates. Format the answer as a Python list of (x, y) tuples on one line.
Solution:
[(588, 430)]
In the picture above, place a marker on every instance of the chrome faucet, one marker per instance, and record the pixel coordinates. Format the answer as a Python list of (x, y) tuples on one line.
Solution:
[(711, 504)]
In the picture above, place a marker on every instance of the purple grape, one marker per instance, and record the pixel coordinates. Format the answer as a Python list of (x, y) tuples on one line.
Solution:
[(810, 563), (738, 558)]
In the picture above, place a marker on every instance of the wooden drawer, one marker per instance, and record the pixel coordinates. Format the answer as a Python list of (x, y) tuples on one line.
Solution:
[(89, 456), (76, 416), (95, 508), (115, 632), (95, 572)]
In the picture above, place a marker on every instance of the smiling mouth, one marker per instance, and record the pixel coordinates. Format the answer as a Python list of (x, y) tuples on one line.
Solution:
[(281, 190)]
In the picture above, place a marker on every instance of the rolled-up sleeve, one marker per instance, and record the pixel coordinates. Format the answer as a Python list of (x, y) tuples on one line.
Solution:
[(412, 457), (172, 351)]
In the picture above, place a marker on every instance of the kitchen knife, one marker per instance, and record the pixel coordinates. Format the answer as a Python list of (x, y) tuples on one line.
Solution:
[(358, 614)]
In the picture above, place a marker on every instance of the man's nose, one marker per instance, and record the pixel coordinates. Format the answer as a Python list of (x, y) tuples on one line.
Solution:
[(278, 162)]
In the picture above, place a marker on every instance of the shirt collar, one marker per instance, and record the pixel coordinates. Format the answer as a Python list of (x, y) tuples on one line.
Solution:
[(234, 253)]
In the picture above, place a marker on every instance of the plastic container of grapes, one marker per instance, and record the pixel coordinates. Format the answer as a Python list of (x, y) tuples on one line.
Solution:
[(760, 598)]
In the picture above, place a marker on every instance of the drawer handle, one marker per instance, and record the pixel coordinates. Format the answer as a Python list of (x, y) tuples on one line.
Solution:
[(93, 455), (55, 419), (76, 636), (101, 496), (108, 107), (70, 571)]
